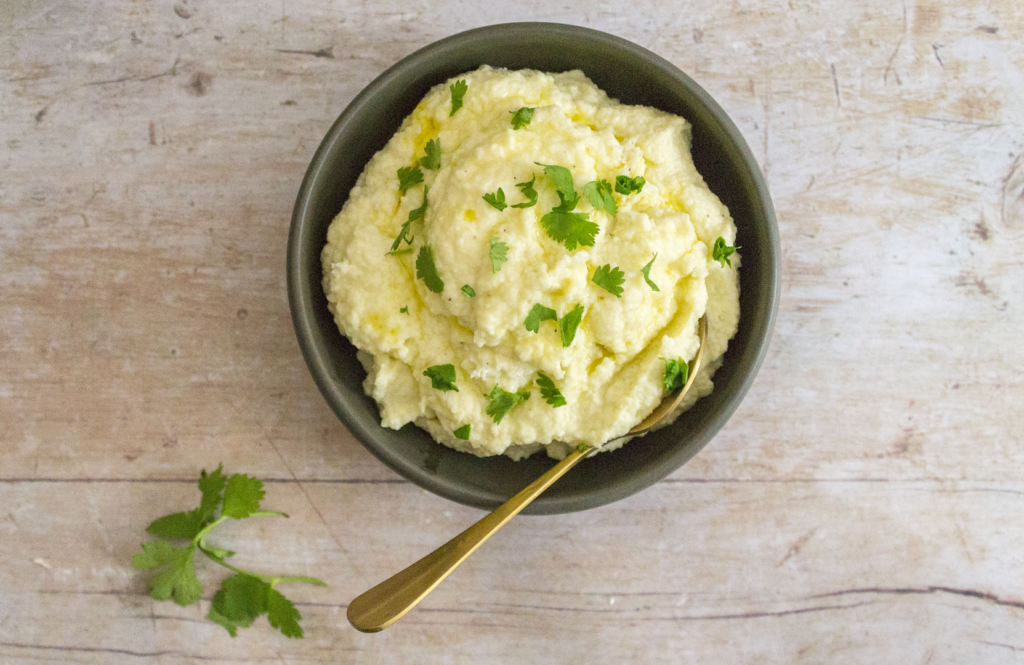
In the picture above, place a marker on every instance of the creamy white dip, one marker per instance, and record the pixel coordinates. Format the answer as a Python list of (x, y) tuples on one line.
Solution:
[(611, 373)]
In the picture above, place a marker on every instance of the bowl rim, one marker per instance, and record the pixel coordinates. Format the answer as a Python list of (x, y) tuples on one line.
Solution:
[(300, 296)]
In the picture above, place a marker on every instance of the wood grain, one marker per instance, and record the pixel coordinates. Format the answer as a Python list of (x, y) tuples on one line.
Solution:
[(863, 505)]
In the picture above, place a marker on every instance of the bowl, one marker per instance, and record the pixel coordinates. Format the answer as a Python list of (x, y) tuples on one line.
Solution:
[(627, 72)]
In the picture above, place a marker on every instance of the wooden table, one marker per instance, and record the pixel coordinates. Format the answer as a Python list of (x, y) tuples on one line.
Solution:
[(864, 505)]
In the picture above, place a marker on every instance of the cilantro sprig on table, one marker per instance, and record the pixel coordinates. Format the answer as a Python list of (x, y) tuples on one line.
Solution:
[(243, 597)]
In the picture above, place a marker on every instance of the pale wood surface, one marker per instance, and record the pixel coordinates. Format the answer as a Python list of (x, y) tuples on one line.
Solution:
[(863, 505)]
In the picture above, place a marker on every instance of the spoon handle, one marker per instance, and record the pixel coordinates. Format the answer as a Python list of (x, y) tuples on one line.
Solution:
[(387, 602)]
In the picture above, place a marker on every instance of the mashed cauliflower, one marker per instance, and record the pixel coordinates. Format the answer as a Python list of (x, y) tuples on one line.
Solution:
[(519, 262)]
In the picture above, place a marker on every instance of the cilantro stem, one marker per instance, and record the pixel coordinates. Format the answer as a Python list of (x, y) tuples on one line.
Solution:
[(272, 580)]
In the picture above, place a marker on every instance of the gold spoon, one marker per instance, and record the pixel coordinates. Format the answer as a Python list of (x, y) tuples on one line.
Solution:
[(388, 602)]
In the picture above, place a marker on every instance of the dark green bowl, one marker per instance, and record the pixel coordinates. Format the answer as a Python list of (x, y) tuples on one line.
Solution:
[(626, 72)]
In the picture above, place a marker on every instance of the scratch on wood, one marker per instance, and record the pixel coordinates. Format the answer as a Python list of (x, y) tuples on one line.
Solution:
[(795, 549), (327, 52), (835, 83), (935, 49), (895, 51), (924, 591), (152, 133)]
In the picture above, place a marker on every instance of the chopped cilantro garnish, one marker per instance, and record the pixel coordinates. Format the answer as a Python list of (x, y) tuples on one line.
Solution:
[(432, 155), (458, 89), (468, 291), (497, 199), (646, 270), (403, 234), (610, 278), (243, 597), (569, 323), (409, 176), (404, 310), (599, 193), (537, 314), (721, 252), (400, 252), (501, 402), (548, 391), (561, 178), (529, 192), (463, 432), (427, 271), (521, 118), (570, 228), (442, 377), (626, 185), (498, 253), (676, 373)]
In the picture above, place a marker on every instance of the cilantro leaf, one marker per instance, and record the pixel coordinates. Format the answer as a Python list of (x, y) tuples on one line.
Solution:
[(468, 291), (240, 600), (242, 496), (404, 310), (561, 178), (458, 89), (646, 270), (177, 525), (418, 213), (463, 432), (409, 176), (599, 193), (497, 199), (212, 487), (610, 278), (177, 580), (721, 252), (498, 253), (529, 192), (442, 377), (626, 185), (522, 117), (427, 271), (501, 402), (676, 373), (537, 314), (432, 155), (570, 228), (548, 391), (281, 614), (569, 323)]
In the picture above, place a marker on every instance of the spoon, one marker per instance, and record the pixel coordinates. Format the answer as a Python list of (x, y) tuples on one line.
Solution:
[(388, 602)]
